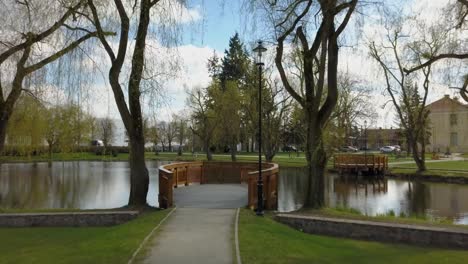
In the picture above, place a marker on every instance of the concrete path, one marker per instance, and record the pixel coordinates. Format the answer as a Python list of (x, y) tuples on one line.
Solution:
[(211, 196), (201, 229), (194, 235)]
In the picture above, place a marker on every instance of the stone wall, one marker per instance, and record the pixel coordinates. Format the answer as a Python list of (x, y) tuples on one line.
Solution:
[(377, 231), (77, 219)]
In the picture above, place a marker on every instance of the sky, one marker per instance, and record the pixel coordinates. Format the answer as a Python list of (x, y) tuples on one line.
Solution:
[(207, 29)]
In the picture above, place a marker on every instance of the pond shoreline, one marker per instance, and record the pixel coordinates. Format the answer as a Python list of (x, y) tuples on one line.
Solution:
[(421, 177), (428, 178)]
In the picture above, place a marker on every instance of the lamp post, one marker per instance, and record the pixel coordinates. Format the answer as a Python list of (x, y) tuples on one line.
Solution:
[(258, 61), (365, 141)]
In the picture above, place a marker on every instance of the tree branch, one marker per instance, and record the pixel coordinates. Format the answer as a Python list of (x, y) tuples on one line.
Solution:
[(62, 52), (41, 36), (436, 58)]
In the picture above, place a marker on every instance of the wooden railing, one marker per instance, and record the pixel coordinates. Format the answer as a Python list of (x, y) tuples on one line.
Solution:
[(374, 163), (270, 175), (185, 173)]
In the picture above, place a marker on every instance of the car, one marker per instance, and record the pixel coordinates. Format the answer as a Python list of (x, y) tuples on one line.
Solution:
[(289, 148), (388, 149), (348, 149), (97, 143)]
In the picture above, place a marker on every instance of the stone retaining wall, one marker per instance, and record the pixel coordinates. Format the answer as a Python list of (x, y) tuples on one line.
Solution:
[(77, 219), (377, 231)]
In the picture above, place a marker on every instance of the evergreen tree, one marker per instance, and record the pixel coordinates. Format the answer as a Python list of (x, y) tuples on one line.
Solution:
[(235, 63)]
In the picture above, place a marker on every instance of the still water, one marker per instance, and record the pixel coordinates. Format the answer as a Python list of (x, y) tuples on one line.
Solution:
[(84, 185), (435, 200), (93, 185)]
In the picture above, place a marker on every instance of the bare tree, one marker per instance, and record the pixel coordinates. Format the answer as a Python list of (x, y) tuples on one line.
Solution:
[(107, 132), (203, 117), (276, 106), (409, 103), (319, 57), (181, 131), (20, 52), (161, 128), (131, 114), (353, 105), (449, 48)]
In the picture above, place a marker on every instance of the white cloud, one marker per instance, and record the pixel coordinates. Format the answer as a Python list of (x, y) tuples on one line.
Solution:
[(175, 12)]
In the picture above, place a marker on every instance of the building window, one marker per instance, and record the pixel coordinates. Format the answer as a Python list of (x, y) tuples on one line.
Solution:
[(453, 119), (453, 139)]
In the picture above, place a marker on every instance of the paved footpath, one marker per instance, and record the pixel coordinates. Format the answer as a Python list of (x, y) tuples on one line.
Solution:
[(194, 235), (201, 229)]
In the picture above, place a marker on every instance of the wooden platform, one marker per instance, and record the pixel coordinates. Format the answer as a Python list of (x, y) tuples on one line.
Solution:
[(371, 164)]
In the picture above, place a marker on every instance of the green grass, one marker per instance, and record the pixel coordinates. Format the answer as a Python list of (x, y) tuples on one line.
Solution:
[(113, 244), (461, 165), (262, 240), (283, 159), (457, 168)]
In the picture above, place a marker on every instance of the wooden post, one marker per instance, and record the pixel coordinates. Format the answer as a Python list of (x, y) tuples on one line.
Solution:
[(186, 176), (176, 178)]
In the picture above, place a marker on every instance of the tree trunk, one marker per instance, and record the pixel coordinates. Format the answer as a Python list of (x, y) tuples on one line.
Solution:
[(316, 162), (233, 149), (420, 162), (209, 156), (3, 130), (139, 177)]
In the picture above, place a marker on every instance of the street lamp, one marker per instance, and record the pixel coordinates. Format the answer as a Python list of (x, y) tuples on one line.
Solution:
[(365, 141), (258, 61)]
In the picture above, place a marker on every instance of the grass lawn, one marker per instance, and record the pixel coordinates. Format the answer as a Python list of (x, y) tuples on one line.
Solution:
[(457, 168), (443, 165), (283, 159), (262, 240), (113, 244)]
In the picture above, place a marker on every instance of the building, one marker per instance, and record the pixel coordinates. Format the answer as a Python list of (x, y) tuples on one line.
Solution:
[(448, 125)]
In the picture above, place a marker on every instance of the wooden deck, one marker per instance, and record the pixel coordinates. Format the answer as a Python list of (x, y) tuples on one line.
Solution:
[(370, 164), (203, 172)]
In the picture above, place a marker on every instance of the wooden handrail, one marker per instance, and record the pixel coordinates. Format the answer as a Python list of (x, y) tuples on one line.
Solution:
[(171, 175), (375, 163)]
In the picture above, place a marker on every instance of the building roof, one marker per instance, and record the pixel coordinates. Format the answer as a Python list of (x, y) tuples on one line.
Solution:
[(447, 104)]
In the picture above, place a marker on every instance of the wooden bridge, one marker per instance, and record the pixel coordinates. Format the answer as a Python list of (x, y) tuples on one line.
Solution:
[(207, 172), (372, 164)]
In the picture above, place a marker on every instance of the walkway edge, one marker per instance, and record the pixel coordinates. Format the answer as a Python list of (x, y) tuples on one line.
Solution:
[(236, 235), (148, 236)]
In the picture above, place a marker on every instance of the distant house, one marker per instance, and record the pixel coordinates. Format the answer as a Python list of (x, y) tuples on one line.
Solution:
[(449, 125)]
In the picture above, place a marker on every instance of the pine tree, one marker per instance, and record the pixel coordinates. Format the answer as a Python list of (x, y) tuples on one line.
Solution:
[(236, 62)]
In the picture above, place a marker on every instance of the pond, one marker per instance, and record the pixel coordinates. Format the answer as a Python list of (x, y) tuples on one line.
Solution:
[(372, 197), (84, 185), (99, 185)]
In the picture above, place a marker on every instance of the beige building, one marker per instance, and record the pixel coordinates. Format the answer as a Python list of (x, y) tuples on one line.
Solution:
[(449, 125)]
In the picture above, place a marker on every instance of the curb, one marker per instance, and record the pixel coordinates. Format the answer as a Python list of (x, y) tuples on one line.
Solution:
[(236, 234)]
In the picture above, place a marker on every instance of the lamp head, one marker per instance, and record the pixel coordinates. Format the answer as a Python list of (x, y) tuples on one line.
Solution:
[(258, 52)]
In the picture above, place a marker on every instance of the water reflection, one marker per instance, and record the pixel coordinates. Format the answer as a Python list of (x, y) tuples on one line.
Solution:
[(90, 185), (85, 185), (373, 197)]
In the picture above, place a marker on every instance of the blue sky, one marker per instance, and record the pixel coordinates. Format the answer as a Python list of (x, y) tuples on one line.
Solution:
[(215, 21)]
